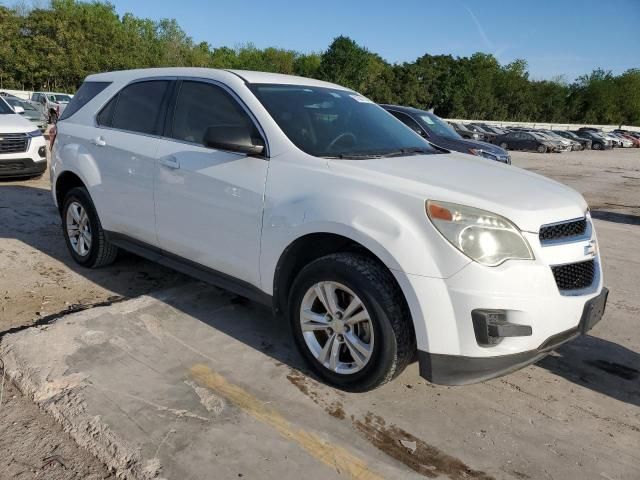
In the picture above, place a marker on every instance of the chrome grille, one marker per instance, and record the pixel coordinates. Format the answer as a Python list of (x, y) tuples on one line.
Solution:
[(13, 142), (575, 276), (573, 228)]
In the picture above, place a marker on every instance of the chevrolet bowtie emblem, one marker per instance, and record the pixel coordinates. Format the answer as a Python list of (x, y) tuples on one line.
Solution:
[(591, 249)]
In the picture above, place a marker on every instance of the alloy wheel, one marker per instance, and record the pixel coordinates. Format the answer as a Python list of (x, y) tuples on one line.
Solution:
[(336, 327), (78, 229)]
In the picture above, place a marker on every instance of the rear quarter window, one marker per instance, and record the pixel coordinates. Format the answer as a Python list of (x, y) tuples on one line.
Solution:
[(84, 95)]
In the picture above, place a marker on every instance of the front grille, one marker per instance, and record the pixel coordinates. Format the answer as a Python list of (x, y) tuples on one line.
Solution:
[(574, 276), (13, 142), (11, 166), (573, 228)]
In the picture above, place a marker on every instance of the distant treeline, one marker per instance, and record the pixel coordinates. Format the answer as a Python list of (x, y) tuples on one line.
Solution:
[(55, 47)]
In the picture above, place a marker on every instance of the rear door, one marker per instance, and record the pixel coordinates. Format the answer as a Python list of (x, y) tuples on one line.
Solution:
[(209, 201), (124, 145)]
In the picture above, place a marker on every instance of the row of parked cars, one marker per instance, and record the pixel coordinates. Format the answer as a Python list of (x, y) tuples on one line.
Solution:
[(41, 108), (546, 140)]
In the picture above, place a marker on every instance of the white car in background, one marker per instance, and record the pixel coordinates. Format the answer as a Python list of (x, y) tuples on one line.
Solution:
[(378, 248), (52, 104), (23, 149)]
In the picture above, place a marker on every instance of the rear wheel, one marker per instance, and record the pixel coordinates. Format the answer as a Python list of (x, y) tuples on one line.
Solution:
[(350, 321), (83, 233)]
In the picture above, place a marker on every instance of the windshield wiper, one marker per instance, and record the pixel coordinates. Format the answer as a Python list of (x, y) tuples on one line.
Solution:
[(353, 156), (409, 151)]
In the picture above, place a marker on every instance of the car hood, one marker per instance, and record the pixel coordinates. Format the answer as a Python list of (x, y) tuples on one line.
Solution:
[(14, 123), (527, 199), (463, 142)]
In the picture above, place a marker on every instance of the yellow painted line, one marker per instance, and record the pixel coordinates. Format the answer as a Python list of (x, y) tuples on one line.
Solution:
[(331, 455)]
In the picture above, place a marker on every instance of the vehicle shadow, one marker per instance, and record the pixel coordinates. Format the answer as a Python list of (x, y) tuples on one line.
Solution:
[(599, 365), (28, 215), (616, 217)]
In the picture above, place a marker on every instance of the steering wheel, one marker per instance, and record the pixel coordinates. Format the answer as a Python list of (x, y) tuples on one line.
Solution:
[(340, 137)]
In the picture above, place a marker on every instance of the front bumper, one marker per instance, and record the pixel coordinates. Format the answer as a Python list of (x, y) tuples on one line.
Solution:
[(460, 370), (29, 163), (527, 296)]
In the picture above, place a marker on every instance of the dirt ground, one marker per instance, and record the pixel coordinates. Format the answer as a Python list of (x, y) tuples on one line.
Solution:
[(39, 281)]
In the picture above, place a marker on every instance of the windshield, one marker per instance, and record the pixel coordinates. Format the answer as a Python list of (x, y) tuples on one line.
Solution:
[(60, 98), (327, 122), (5, 108), (435, 125), (539, 135), (16, 102)]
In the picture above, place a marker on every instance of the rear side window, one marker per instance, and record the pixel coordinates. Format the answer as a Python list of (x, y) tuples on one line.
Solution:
[(137, 108), (84, 95), (202, 105)]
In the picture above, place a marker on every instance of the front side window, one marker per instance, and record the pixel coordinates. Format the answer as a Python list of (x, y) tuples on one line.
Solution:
[(202, 105), (138, 108), (327, 122)]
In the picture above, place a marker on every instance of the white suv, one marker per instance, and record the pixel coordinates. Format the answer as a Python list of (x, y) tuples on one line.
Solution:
[(305, 195), (23, 149)]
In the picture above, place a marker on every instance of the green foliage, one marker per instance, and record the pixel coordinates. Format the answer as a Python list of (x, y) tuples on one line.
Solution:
[(57, 46)]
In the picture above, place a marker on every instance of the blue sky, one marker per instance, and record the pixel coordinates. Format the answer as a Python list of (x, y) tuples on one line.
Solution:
[(558, 37)]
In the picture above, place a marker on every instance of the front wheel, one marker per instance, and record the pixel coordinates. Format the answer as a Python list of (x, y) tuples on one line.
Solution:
[(350, 321), (596, 146), (542, 149), (504, 145)]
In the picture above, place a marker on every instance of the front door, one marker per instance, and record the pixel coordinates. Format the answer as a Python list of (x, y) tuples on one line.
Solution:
[(209, 202)]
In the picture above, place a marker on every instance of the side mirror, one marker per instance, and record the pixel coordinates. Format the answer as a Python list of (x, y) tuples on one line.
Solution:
[(18, 109), (233, 138)]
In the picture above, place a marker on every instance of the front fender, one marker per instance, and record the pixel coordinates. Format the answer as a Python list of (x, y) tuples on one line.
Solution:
[(399, 236)]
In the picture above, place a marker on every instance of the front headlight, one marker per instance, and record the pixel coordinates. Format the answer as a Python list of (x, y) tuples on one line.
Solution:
[(483, 236), (35, 133)]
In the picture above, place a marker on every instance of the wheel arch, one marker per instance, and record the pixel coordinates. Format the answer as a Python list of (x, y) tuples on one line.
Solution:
[(306, 248), (66, 181)]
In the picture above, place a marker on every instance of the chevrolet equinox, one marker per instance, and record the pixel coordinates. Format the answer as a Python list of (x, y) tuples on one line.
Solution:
[(305, 195)]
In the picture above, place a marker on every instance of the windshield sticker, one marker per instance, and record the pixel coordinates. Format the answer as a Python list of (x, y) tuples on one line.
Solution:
[(360, 99)]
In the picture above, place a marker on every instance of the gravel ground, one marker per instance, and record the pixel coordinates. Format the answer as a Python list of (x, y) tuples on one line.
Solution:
[(38, 280)]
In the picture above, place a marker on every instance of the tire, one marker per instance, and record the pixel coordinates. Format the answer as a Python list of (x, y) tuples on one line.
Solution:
[(541, 149), (99, 252), (504, 146), (596, 146), (388, 328)]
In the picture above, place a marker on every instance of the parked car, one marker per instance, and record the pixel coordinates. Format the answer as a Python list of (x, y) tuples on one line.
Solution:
[(493, 129), (597, 142), (567, 145), (486, 134), (624, 141), (584, 142), (523, 140), (465, 132), (632, 139), (376, 246), (51, 103), (439, 133), (23, 150), (28, 111)]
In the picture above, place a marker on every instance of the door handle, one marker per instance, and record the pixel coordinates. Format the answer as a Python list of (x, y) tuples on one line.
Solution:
[(170, 162), (99, 141)]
